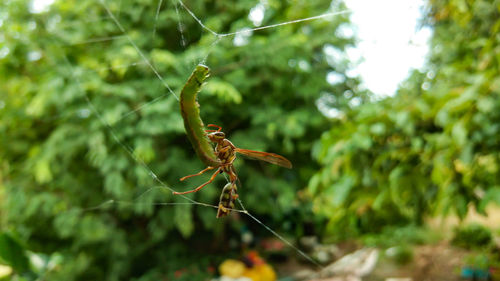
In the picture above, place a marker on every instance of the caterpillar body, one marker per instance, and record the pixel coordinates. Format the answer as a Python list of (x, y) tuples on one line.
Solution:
[(190, 110)]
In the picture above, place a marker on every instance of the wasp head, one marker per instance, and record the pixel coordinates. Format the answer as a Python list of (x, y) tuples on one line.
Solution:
[(216, 136)]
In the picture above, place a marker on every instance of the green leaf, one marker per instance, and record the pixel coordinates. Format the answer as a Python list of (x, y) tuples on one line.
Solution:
[(461, 206), (223, 90), (13, 253), (339, 191), (184, 220), (459, 133), (144, 150), (42, 171), (66, 223), (114, 184), (163, 58), (491, 196), (378, 128)]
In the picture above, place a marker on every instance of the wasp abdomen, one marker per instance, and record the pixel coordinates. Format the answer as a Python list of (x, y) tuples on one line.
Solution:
[(227, 198)]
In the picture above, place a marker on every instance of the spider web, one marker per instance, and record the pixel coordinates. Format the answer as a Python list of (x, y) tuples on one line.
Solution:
[(114, 17)]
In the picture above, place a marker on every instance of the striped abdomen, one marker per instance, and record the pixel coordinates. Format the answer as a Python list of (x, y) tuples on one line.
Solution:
[(227, 198)]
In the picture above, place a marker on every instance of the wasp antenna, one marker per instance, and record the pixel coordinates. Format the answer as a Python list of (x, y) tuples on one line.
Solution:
[(215, 126)]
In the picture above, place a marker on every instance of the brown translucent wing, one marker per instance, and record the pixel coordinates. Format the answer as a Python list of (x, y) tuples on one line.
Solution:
[(266, 156)]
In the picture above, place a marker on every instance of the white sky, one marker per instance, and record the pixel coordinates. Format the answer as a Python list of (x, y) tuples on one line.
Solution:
[(390, 42)]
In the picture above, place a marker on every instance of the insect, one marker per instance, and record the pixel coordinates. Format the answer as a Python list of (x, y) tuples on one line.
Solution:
[(222, 157), (226, 201), (226, 153)]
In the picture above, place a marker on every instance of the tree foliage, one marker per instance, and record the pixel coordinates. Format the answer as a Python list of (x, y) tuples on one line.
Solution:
[(72, 100), (431, 149)]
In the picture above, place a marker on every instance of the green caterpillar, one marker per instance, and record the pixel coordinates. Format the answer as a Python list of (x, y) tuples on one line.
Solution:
[(190, 110)]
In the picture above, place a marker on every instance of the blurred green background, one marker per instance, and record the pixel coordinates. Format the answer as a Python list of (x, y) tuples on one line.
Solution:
[(76, 96)]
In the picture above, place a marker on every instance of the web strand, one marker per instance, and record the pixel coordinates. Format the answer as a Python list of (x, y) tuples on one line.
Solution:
[(330, 14), (198, 20), (306, 256), (277, 235), (180, 26), (96, 40), (156, 19), (286, 23), (210, 49), (144, 105), (120, 66), (137, 48), (171, 203), (134, 203)]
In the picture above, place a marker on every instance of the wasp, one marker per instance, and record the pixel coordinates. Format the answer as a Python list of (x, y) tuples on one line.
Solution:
[(226, 152)]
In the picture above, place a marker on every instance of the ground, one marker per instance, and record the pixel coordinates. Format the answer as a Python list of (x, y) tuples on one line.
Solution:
[(438, 261), (430, 262)]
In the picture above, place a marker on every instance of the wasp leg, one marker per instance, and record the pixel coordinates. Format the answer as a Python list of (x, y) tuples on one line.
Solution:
[(201, 186), (233, 177), (197, 174), (223, 150)]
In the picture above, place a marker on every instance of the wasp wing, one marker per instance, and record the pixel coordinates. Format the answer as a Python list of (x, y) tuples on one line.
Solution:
[(266, 156)]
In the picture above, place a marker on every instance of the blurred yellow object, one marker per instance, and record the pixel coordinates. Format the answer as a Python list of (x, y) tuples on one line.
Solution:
[(261, 272), (232, 268), (257, 269)]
